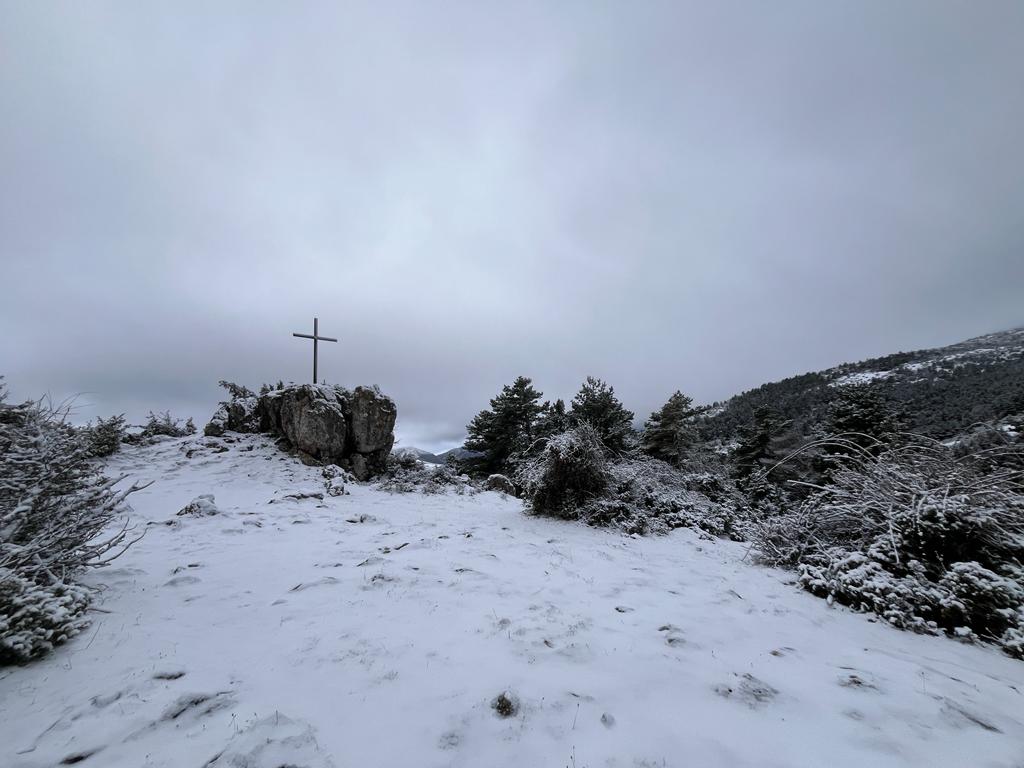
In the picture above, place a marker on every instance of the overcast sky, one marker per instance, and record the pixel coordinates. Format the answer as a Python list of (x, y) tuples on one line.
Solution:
[(669, 196)]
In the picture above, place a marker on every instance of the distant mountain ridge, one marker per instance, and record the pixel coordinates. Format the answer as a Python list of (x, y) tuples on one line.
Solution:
[(942, 391), (433, 458)]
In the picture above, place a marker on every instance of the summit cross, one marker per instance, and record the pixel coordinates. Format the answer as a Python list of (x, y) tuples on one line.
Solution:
[(316, 337)]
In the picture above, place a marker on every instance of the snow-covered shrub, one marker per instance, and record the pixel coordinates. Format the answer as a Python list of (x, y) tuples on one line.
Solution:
[(404, 473), (929, 539), (106, 435), (573, 478), (570, 471), (974, 596), (651, 496), (501, 484), (852, 578), (36, 617), (237, 391), (164, 424), (54, 506)]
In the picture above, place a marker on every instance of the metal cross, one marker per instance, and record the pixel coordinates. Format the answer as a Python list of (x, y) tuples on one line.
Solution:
[(315, 337)]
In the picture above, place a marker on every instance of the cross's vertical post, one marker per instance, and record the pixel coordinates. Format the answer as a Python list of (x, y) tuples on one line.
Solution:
[(316, 337)]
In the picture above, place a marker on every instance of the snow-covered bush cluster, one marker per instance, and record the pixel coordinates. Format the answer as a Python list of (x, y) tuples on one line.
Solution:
[(404, 473), (650, 496), (54, 506), (926, 538), (106, 435), (163, 425), (570, 472), (574, 477), (36, 617)]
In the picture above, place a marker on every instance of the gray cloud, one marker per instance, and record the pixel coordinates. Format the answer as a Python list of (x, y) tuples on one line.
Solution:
[(666, 195)]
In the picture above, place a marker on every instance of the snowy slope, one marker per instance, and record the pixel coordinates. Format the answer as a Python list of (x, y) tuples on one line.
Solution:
[(942, 392), (375, 630)]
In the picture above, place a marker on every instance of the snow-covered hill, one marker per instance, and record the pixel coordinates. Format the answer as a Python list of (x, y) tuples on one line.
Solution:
[(372, 629), (941, 392)]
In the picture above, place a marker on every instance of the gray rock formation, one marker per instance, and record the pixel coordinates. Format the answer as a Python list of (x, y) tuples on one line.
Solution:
[(312, 418), (218, 423), (372, 430), (373, 420), (323, 424), (239, 414)]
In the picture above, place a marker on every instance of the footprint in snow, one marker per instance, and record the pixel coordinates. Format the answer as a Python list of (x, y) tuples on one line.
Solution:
[(856, 682), (274, 741), (79, 757), (101, 701), (175, 675), (674, 635), (747, 689), (449, 740), (959, 716), (189, 707), (180, 581), (326, 580)]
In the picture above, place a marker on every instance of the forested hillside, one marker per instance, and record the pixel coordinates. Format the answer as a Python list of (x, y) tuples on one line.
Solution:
[(940, 392)]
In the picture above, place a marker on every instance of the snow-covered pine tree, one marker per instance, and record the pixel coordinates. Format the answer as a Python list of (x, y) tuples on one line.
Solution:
[(106, 435), (553, 419), (670, 431), (863, 414), (596, 404), (506, 428), (756, 450)]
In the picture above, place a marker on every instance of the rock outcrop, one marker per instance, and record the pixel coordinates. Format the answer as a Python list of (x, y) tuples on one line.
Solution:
[(312, 418), (354, 430), (240, 414)]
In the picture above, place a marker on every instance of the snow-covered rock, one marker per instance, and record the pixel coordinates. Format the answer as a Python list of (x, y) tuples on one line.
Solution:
[(204, 505), (324, 423), (313, 420), (372, 421)]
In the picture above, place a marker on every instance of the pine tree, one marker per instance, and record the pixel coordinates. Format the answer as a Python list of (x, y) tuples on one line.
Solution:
[(864, 415), (670, 432), (597, 405), (508, 427), (756, 450), (553, 419)]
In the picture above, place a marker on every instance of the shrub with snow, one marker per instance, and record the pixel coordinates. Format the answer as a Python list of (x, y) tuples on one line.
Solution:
[(570, 471), (106, 435), (54, 506), (404, 473), (652, 496), (572, 478), (928, 539), (163, 425), (36, 617)]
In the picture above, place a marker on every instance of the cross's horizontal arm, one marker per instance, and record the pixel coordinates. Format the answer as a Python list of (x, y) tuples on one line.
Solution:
[(318, 338)]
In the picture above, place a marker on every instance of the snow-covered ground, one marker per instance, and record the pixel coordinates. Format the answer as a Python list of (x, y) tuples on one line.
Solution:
[(375, 630)]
